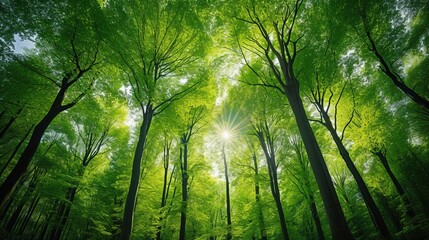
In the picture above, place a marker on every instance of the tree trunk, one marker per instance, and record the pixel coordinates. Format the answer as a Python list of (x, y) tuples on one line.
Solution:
[(316, 218), (399, 83), (258, 200), (130, 203), (308, 193), (228, 200), (374, 212), (9, 123), (23, 200), (11, 181), (15, 151), (164, 186), (184, 192), (63, 213), (408, 205), (337, 221), (274, 186), (29, 214), (280, 213)]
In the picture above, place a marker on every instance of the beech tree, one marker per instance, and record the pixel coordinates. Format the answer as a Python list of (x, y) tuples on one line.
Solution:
[(268, 140), (188, 119), (153, 53), (279, 54), (323, 102), (78, 47)]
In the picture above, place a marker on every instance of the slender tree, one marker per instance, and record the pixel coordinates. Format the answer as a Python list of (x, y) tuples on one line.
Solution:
[(227, 195), (89, 144), (300, 171), (279, 53), (380, 152), (262, 128), (166, 181), (81, 59), (153, 52), (319, 95), (386, 66), (195, 116), (258, 193)]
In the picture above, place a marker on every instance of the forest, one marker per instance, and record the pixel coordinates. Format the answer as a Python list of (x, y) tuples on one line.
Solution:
[(199, 119)]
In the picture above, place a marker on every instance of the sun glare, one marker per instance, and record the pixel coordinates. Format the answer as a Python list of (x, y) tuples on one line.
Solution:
[(226, 135)]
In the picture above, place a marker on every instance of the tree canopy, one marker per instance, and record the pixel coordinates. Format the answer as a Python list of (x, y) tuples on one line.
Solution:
[(193, 119)]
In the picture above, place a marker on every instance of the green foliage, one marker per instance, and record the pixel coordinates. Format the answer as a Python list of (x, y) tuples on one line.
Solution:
[(185, 57)]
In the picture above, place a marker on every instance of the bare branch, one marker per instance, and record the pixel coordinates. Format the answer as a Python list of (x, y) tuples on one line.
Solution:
[(318, 121), (77, 99), (336, 105), (177, 96), (35, 70)]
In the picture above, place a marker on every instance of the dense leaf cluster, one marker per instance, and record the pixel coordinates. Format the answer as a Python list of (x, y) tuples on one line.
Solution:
[(196, 119)]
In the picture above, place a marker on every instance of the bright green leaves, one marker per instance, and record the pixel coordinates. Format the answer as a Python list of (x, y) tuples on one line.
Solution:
[(156, 48)]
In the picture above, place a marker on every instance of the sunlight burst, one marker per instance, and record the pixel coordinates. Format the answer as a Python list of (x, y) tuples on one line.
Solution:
[(226, 134)]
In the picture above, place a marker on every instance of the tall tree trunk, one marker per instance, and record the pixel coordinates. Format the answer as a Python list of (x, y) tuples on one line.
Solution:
[(396, 79), (29, 214), (164, 186), (288, 84), (63, 213), (258, 200), (228, 200), (337, 221), (32, 176), (281, 214), (268, 148), (184, 191), (308, 190), (9, 123), (374, 211), (130, 203), (11, 181), (15, 151), (315, 216), (408, 205)]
